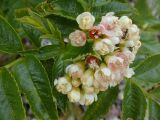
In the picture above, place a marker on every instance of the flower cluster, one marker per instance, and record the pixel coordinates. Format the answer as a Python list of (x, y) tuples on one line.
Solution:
[(115, 44)]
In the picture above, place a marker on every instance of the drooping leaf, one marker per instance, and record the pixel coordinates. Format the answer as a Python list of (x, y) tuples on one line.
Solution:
[(147, 73), (99, 108), (34, 83), (11, 107), (134, 103), (9, 40), (154, 110)]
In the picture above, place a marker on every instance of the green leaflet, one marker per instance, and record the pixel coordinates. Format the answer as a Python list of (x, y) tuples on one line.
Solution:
[(11, 107), (134, 103), (9, 40), (150, 46), (116, 7), (147, 73), (34, 83), (154, 110), (98, 109), (45, 52), (155, 94)]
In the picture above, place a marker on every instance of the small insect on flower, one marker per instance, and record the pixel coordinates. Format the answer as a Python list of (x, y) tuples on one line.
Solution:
[(85, 20), (77, 38)]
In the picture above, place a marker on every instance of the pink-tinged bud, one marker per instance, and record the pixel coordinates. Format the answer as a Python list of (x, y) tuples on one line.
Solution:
[(130, 55), (87, 78), (116, 78), (125, 58), (85, 20), (102, 77), (63, 85), (95, 32), (92, 62), (103, 46), (74, 95), (77, 38), (75, 71), (115, 63), (109, 25)]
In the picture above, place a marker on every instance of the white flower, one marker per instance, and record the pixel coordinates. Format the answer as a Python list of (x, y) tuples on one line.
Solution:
[(125, 22), (45, 42), (116, 78), (75, 70), (133, 32), (102, 77), (115, 63), (88, 78), (77, 38), (109, 25), (129, 54), (63, 85), (74, 95), (129, 73), (87, 99), (104, 46), (85, 20), (130, 43), (115, 40)]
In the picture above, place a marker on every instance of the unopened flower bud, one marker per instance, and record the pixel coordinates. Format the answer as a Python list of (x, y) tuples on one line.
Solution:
[(74, 95), (115, 63), (77, 38), (129, 73), (88, 78), (102, 77), (133, 32), (88, 90), (87, 99), (104, 46), (76, 82), (75, 70), (125, 22), (63, 84), (85, 20)]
